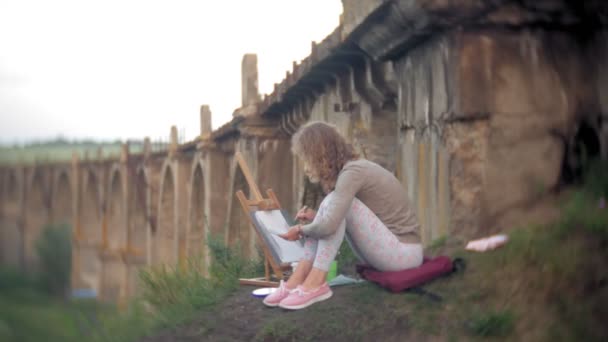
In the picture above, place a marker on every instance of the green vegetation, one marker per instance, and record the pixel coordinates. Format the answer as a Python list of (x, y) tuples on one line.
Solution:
[(27, 314), (61, 150), (437, 244), (548, 283), (55, 254), (492, 323), (346, 258), (32, 307), (173, 295)]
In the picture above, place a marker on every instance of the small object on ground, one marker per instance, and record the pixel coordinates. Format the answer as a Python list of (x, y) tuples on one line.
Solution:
[(84, 294), (263, 292), (344, 280), (602, 203), (488, 243)]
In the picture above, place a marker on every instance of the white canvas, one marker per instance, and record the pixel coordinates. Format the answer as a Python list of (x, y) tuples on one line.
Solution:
[(272, 223)]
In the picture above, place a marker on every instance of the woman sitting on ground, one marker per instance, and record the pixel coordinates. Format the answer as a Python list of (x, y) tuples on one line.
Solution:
[(364, 202)]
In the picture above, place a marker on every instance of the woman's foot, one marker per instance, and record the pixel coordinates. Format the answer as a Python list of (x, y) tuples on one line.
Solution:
[(273, 299), (301, 298)]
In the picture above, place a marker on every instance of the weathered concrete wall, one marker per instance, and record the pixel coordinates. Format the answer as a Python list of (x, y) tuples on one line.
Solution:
[(525, 90), (355, 11), (426, 95), (275, 170)]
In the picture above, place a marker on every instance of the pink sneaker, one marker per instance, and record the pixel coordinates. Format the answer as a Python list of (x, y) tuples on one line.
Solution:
[(277, 296), (299, 299)]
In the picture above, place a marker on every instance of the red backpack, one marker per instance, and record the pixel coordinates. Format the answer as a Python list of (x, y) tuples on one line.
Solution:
[(414, 277)]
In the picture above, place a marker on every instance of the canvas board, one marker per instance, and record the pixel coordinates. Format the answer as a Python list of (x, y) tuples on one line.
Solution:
[(270, 224)]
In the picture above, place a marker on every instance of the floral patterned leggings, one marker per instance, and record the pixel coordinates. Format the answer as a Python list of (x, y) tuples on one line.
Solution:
[(371, 241)]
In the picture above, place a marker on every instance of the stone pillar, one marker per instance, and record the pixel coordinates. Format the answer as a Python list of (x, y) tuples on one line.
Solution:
[(206, 119), (249, 80), (173, 142), (147, 149), (124, 153)]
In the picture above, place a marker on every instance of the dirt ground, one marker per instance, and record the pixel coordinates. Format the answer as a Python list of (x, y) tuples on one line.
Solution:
[(347, 316)]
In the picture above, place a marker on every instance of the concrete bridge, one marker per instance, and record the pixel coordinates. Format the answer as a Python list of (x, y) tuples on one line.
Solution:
[(476, 106)]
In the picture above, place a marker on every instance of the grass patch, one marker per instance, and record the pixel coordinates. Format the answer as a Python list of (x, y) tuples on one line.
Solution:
[(492, 324), (547, 283), (33, 308), (278, 332), (29, 313), (437, 244), (346, 259), (173, 295)]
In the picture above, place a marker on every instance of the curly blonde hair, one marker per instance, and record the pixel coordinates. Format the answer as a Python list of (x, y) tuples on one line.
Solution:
[(324, 149)]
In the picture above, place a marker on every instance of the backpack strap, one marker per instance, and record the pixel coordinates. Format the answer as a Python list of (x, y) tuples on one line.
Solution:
[(424, 293), (458, 265)]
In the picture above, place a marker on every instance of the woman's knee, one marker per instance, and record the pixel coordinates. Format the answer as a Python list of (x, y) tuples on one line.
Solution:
[(355, 210)]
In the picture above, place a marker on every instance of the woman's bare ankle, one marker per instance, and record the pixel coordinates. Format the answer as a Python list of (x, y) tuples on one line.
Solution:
[(290, 285), (299, 275), (315, 279)]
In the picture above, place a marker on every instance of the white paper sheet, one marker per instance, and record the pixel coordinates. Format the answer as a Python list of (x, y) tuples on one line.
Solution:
[(271, 223)]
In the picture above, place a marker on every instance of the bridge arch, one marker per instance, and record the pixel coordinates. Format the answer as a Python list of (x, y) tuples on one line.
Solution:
[(165, 237), (116, 210), (137, 237), (139, 207), (37, 213), (62, 211), (90, 214), (114, 271), (238, 230), (196, 241), (89, 233)]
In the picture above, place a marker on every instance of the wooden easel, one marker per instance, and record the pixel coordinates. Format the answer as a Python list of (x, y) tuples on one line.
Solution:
[(260, 203)]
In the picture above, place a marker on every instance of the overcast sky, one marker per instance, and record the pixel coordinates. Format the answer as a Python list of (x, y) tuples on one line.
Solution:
[(120, 69)]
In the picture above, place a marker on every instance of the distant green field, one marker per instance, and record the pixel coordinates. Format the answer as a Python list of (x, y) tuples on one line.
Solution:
[(56, 152)]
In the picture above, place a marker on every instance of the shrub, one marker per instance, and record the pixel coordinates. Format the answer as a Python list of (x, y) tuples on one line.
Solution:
[(55, 254), (11, 279), (596, 178), (228, 264), (176, 292)]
